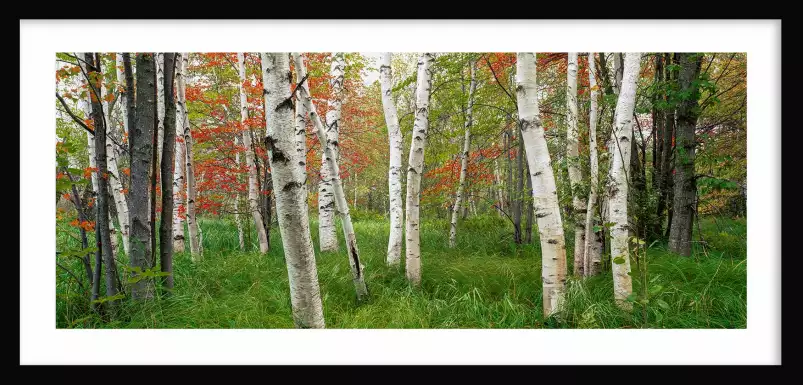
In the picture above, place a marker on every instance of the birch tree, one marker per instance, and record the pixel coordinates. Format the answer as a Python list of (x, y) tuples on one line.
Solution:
[(545, 194), (573, 160), (341, 204), (685, 186), (141, 136), (102, 221), (416, 167), (253, 183), (192, 221), (394, 170), (464, 161), (291, 192), (327, 234), (123, 102), (618, 180), (592, 248), (180, 161), (115, 184), (160, 103)]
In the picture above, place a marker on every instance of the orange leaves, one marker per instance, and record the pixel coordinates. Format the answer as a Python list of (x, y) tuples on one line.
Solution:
[(90, 123), (75, 70), (86, 225), (89, 170), (124, 191), (66, 196), (126, 170), (109, 97), (60, 175)]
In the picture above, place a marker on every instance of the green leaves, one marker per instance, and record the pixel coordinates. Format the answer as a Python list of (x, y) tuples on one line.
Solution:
[(138, 274), (618, 260)]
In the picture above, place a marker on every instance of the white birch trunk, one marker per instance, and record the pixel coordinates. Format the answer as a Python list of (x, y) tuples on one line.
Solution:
[(253, 184), (464, 162), (327, 233), (573, 160), (415, 168), (160, 104), (240, 233), (290, 192), (394, 170), (545, 195), (334, 171), (115, 184), (618, 179), (192, 221), (591, 250), (180, 162)]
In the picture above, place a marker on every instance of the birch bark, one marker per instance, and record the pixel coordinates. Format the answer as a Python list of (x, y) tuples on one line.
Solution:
[(329, 147), (545, 195), (180, 161), (253, 183), (291, 192), (573, 160), (618, 178), (192, 221), (464, 160), (395, 168), (591, 255), (327, 233), (415, 168)]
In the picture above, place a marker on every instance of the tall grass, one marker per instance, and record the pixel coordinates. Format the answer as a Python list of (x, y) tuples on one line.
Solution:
[(485, 282)]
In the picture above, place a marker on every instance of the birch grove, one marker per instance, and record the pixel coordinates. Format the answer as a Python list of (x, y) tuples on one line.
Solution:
[(291, 192), (618, 180), (395, 168), (513, 160), (329, 146), (326, 196), (253, 184), (415, 168), (464, 159), (545, 194)]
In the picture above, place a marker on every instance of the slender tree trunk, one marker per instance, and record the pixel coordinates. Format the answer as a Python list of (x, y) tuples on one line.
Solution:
[(141, 137), (115, 180), (79, 207), (192, 220), (618, 190), (528, 227), (573, 160), (416, 168), (180, 161), (102, 174), (240, 231), (684, 201), (330, 147), (395, 168), (253, 182), (658, 149), (464, 155), (665, 177), (327, 232), (545, 194), (592, 258), (121, 80), (160, 105), (517, 196), (154, 165), (168, 160), (291, 196)]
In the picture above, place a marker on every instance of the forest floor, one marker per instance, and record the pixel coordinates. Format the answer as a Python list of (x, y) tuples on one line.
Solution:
[(485, 282)]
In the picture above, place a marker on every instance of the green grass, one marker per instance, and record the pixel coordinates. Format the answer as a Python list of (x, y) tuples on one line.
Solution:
[(486, 282)]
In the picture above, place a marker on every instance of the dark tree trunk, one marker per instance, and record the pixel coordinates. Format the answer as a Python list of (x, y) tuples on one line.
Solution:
[(154, 168), (658, 145), (141, 136), (131, 104), (79, 207), (168, 159), (528, 227), (102, 221), (683, 206), (518, 193)]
